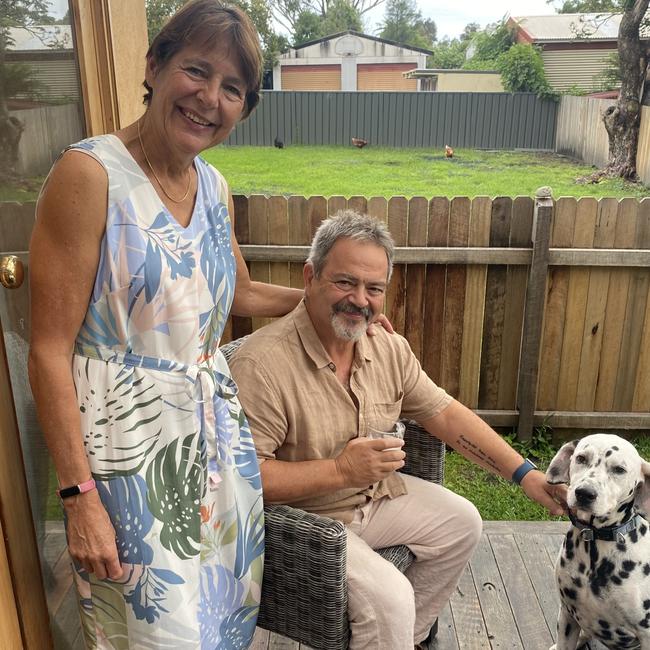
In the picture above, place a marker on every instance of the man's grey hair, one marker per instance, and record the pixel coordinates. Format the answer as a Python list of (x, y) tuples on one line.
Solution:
[(351, 225)]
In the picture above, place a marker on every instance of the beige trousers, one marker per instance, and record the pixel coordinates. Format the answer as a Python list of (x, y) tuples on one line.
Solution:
[(389, 610)]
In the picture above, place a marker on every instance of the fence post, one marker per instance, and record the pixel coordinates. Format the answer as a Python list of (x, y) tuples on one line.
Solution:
[(534, 313)]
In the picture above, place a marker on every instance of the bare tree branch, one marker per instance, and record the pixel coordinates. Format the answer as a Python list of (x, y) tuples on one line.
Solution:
[(287, 12), (362, 6)]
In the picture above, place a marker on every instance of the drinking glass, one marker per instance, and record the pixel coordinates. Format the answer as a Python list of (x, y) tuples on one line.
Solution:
[(396, 431)]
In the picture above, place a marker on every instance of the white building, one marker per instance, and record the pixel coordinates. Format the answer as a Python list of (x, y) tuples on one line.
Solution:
[(457, 81), (349, 61)]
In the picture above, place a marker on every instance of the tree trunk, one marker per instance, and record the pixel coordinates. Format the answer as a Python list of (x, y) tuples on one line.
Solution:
[(622, 120), (11, 128)]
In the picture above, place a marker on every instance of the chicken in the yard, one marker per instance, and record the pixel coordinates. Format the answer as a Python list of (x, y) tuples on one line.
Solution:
[(359, 142), (449, 152), (278, 143)]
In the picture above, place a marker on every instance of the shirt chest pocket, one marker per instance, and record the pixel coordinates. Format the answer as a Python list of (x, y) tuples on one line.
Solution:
[(383, 415)]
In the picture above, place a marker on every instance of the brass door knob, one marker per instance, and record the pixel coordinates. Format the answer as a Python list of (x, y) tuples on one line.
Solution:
[(12, 273)]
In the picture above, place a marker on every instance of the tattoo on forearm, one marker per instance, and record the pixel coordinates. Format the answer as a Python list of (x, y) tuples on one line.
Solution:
[(478, 453)]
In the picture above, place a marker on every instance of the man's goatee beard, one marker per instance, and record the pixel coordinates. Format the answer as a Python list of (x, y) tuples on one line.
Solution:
[(342, 329)]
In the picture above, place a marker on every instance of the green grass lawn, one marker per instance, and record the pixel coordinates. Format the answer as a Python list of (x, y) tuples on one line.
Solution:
[(23, 192), (495, 498), (376, 171), (498, 499)]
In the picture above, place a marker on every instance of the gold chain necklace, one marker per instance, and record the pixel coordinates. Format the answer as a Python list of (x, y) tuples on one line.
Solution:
[(189, 174)]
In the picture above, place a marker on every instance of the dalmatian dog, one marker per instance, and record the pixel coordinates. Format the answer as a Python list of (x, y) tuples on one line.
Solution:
[(603, 570)]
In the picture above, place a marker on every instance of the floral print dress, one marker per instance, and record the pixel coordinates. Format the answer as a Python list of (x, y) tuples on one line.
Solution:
[(167, 441)]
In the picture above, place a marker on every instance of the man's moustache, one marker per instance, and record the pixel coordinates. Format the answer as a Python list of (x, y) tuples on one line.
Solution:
[(347, 308)]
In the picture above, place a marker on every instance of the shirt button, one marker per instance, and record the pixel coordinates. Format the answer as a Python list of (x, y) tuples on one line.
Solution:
[(331, 366)]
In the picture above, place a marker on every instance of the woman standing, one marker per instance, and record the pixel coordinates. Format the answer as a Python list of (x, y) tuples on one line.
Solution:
[(135, 269)]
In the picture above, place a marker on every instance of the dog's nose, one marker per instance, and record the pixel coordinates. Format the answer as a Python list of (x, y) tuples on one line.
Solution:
[(585, 496)]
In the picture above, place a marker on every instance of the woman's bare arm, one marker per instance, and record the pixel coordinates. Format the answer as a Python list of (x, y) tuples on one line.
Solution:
[(64, 255)]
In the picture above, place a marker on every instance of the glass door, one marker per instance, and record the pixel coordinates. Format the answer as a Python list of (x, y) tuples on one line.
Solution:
[(41, 110), (41, 482)]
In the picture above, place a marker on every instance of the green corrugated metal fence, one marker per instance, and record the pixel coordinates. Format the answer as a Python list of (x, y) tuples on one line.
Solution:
[(401, 119)]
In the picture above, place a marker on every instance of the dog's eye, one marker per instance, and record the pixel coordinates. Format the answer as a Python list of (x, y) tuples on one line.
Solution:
[(619, 469), (580, 459)]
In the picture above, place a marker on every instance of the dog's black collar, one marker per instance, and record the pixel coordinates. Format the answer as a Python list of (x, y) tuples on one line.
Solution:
[(607, 533)]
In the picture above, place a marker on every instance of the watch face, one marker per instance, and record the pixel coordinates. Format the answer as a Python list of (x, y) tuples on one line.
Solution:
[(69, 492)]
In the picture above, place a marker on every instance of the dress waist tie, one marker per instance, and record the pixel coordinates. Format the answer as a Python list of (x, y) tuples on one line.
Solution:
[(202, 383)]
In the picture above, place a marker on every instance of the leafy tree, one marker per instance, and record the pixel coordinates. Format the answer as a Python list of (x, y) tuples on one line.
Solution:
[(17, 79), (522, 70), (403, 23), (450, 53), (288, 12), (272, 43), (469, 31), (28, 14), (340, 16), (429, 30), (610, 77), (487, 45), (575, 90), (158, 11), (259, 11), (308, 28), (584, 6)]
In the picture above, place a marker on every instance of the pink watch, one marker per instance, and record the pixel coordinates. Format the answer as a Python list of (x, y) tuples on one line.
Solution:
[(73, 490)]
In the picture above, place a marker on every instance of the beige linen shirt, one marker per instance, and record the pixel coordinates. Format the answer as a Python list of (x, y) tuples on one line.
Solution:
[(298, 410)]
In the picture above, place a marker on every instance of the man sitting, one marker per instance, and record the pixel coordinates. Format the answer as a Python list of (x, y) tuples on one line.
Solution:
[(313, 384)]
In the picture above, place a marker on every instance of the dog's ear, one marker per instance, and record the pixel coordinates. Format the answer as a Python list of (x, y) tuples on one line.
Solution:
[(642, 499), (558, 470)]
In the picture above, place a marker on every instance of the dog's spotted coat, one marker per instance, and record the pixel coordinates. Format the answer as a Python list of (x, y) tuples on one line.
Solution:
[(604, 585)]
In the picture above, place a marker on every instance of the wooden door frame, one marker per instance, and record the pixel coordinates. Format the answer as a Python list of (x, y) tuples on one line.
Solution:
[(110, 35), (111, 44), (20, 551)]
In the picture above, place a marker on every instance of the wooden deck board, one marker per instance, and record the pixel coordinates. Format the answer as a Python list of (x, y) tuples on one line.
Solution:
[(467, 615), (495, 606), (66, 626), (540, 568), (526, 610), (260, 640), (446, 638), (506, 598)]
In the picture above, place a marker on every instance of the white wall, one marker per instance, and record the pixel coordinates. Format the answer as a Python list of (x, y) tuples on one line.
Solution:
[(347, 51)]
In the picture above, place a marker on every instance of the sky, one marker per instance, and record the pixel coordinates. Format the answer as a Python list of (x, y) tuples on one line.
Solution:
[(57, 8), (450, 16)]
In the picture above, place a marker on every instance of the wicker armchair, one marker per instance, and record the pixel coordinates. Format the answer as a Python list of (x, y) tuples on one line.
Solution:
[(304, 589)]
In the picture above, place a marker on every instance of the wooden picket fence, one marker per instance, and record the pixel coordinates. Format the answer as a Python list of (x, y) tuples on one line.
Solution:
[(529, 311)]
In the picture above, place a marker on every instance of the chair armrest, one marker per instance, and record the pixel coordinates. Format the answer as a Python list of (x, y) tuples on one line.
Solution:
[(304, 590), (425, 454), (229, 349)]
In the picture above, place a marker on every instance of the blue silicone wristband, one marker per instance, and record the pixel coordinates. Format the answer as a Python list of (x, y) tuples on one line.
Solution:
[(522, 470)]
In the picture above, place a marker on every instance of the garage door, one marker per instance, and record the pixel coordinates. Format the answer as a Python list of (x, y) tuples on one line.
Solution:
[(385, 76), (311, 77)]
